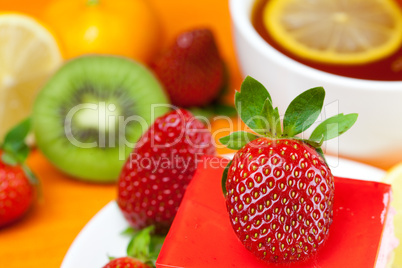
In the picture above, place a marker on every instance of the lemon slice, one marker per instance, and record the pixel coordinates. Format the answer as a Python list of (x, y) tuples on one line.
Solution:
[(336, 31), (28, 55), (394, 177)]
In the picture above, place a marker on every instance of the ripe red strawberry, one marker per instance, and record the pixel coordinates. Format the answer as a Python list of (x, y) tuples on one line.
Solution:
[(16, 193), (192, 70), (279, 189), (16, 190), (280, 196), (154, 178), (126, 262)]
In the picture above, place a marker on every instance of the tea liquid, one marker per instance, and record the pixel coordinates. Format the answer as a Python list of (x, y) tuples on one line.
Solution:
[(388, 68)]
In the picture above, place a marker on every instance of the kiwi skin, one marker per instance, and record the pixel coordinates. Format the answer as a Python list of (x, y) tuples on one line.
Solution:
[(79, 91)]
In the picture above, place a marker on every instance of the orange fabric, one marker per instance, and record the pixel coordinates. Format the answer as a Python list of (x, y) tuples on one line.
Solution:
[(42, 238)]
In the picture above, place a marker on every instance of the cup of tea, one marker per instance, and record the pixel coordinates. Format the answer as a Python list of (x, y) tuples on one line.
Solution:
[(372, 89)]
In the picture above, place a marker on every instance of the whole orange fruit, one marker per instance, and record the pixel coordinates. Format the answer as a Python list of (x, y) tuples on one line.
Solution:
[(120, 27)]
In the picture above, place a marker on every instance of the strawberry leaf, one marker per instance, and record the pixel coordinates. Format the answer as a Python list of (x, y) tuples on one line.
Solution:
[(9, 159), (223, 109), (144, 244), (14, 142), (18, 133), (250, 101), (269, 120), (130, 231), (31, 176), (139, 244), (238, 139), (278, 121), (205, 112), (155, 247), (225, 177), (303, 111), (333, 127)]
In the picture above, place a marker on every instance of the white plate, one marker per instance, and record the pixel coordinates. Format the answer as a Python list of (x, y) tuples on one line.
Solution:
[(101, 237)]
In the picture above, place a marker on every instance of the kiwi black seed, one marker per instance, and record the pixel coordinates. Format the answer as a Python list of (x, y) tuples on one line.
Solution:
[(88, 116)]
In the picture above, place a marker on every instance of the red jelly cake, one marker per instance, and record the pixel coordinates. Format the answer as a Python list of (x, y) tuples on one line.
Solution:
[(361, 234)]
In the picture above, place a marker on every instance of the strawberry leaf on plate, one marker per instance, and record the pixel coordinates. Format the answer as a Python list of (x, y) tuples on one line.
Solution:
[(144, 245)]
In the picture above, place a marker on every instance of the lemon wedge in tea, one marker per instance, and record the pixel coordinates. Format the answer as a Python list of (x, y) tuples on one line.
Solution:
[(335, 31), (28, 55)]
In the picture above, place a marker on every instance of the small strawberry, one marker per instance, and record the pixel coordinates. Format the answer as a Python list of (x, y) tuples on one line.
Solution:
[(126, 262), (154, 178), (192, 70), (279, 189), (16, 190)]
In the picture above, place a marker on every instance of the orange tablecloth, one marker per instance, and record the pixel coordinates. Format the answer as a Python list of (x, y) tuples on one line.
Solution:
[(43, 237)]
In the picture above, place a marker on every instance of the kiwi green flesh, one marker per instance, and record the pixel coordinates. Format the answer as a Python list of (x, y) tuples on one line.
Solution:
[(80, 114)]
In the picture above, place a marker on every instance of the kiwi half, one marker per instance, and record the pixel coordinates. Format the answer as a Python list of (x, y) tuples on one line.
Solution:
[(88, 116)]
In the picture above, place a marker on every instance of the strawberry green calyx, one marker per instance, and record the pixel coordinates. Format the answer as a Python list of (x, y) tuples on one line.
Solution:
[(144, 244), (14, 149), (255, 108)]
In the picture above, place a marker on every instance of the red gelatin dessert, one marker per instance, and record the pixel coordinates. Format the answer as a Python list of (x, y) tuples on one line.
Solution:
[(361, 235)]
